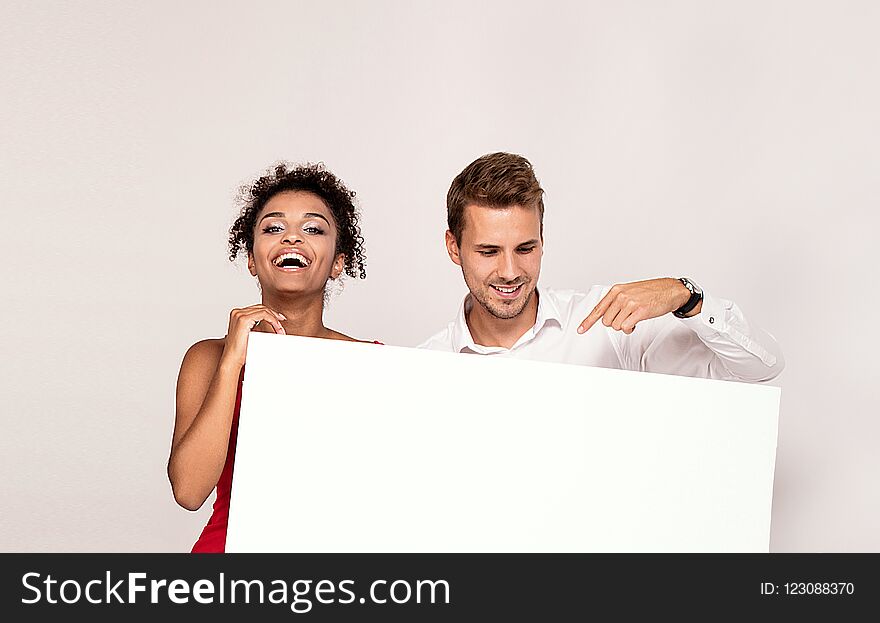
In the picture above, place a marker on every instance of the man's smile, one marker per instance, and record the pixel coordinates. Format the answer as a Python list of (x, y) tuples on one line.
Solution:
[(507, 292)]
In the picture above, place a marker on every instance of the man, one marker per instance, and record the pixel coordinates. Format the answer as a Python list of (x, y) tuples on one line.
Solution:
[(495, 215)]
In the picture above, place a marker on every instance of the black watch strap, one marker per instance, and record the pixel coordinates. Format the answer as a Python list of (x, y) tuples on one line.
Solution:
[(696, 297)]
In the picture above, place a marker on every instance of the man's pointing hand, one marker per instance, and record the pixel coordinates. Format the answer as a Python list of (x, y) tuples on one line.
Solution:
[(627, 304)]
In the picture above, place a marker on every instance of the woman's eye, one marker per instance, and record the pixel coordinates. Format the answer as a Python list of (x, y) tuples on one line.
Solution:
[(312, 229), (272, 229)]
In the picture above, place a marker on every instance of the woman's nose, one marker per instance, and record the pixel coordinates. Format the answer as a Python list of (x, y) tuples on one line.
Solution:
[(291, 237)]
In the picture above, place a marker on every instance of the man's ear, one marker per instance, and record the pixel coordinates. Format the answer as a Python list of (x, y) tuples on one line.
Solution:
[(452, 248), (252, 267), (338, 265)]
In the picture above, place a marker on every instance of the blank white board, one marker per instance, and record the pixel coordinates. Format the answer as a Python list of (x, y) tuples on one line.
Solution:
[(350, 447)]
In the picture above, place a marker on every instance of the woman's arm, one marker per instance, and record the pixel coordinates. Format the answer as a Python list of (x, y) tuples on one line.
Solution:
[(206, 390)]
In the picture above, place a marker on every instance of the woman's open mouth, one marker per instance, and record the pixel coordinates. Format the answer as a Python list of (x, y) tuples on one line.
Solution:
[(291, 262)]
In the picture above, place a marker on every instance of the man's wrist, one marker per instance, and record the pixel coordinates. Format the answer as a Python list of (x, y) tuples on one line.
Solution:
[(695, 311), (683, 295), (694, 302)]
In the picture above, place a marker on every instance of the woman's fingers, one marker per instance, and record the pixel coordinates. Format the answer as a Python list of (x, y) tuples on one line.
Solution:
[(242, 321), (263, 314)]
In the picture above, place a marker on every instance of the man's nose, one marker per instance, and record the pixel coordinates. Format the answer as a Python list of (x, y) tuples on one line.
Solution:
[(507, 268)]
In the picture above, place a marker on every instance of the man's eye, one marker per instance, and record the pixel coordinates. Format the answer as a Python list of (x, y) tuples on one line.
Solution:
[(487, 253), (526, 249)]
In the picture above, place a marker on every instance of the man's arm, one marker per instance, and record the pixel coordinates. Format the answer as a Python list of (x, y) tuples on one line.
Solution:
[(714, 341)]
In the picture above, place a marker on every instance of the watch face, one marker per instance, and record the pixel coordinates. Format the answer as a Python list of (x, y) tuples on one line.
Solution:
[(690, 285)]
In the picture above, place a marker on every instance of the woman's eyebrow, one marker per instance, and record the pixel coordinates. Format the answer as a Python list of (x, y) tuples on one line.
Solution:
[(306, 215), (317, 215), (273, 215)]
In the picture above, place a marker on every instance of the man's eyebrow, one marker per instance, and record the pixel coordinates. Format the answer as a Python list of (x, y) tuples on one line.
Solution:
[(487, 247)]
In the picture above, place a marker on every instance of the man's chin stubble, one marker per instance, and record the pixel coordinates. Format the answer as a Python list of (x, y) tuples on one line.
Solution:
[(507, 316)]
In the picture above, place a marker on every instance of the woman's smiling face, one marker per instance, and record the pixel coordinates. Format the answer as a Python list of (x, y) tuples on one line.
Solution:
[(295, 244)]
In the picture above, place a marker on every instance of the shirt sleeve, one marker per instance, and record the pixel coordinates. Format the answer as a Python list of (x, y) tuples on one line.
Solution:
[(717, 343)]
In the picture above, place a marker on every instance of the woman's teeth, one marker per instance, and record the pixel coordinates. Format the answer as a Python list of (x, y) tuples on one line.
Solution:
[(291, 260)]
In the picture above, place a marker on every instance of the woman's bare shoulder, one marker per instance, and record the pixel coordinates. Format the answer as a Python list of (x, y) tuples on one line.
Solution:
[(205, 352)]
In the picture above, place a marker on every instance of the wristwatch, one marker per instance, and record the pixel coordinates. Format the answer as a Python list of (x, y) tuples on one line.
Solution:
[(696, 297)]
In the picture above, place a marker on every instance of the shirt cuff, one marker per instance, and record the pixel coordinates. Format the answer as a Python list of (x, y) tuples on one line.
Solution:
[(711, 320), (719, 322)]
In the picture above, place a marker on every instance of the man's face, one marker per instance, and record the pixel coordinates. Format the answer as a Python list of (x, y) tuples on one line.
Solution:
[(500, 256)]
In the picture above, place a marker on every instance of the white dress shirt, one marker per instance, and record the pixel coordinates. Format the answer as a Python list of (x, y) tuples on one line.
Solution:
[(717, 343)]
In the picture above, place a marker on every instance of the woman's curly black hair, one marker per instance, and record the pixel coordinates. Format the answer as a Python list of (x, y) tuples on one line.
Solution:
[(313, 178)]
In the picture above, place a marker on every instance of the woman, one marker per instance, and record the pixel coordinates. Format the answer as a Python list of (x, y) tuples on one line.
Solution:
[(299, 229)]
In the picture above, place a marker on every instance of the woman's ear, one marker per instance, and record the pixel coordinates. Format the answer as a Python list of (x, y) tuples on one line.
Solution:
[(252, 267), (338, 266)]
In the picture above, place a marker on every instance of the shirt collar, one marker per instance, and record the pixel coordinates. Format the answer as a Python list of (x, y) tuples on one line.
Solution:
[(548, 311)]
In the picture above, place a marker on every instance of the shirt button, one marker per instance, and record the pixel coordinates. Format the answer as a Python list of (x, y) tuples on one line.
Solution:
[(711, 319)]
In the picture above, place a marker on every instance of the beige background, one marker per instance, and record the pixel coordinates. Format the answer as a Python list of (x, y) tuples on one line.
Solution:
[(732, 142)]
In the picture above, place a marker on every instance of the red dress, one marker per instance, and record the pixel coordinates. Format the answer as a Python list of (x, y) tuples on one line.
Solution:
[(213, 537)]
